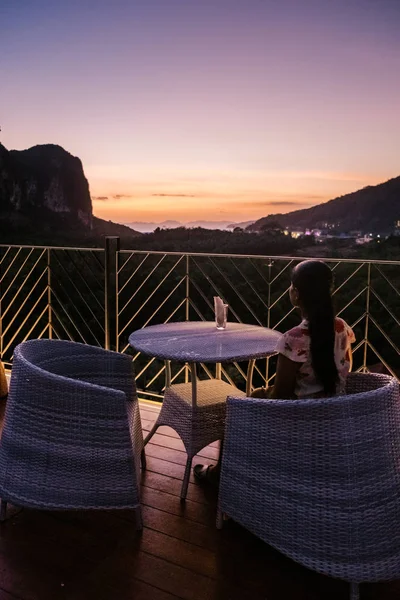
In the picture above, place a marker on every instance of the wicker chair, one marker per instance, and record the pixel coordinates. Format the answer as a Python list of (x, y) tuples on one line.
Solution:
[(72, 436), (197, 413), (320, 479)]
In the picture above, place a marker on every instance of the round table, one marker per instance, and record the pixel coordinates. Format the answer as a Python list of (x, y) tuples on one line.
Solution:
[(200, 341)]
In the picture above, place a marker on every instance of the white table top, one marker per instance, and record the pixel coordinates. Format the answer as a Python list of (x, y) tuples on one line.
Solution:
[(200, 341)]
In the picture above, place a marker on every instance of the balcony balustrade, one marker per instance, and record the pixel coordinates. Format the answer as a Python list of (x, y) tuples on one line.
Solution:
[(99, 296)]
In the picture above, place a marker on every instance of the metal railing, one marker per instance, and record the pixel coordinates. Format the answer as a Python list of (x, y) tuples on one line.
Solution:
[(99, 296)]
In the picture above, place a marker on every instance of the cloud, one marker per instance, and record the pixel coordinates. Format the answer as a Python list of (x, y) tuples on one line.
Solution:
[(308, 200), (283, 203), (119, 196), (173, 195), (99, 197)]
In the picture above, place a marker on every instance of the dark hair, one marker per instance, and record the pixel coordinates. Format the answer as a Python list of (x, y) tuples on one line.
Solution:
[(314, 282)]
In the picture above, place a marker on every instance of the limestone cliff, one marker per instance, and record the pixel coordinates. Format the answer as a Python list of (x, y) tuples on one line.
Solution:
[(44, 183)]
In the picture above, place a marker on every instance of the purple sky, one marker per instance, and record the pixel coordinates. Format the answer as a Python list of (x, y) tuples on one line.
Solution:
[(219, 109)]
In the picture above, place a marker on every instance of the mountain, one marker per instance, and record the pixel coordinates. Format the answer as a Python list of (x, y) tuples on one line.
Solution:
[(243, 225), (148, 227), (42, 182), (44, 191), (209, 224), (101, 227), (373, 208)]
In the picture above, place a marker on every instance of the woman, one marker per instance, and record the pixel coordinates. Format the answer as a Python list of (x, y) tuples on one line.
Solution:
[(315, 357)]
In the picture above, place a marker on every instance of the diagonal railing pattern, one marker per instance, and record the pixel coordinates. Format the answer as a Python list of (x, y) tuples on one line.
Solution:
[(99, 297), (158, 287), (52, 293)]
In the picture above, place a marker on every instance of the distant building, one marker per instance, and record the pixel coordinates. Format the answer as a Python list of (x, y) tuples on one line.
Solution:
[(294, 232), (365, 239)]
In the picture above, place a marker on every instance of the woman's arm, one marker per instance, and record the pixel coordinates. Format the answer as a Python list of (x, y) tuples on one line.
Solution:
[(349, 357), (285, 379)]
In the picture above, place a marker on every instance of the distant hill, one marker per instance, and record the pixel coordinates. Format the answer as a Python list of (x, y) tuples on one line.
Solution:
[(373, 208), (148, 227), (101, 227), (44, 193), (243, 225)]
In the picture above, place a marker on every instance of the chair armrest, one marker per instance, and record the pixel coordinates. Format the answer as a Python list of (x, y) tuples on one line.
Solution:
[(81, 362), (364, 382)]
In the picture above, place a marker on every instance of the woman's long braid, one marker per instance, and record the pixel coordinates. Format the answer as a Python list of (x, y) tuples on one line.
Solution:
[(313, 280)]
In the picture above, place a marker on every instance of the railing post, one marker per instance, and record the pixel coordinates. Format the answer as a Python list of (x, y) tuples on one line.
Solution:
[(270, 263), (366, 330), (187, 282), (187, 307), (49, 301), (1, 311), (111, 249)]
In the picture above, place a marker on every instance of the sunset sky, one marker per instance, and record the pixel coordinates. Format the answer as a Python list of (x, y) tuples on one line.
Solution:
[(206, 109)]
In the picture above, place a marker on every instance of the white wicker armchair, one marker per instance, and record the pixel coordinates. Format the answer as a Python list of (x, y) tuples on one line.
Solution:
[(72, 436), (320, 479)]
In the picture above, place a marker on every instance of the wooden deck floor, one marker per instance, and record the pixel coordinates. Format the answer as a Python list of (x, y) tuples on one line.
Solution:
[(180, 554)]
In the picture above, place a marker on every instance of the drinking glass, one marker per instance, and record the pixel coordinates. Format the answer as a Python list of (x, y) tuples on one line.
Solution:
[(221, 317)]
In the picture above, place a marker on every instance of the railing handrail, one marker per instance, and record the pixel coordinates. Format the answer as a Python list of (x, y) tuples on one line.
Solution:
[(212, 254), (264, 256), (50, 247)]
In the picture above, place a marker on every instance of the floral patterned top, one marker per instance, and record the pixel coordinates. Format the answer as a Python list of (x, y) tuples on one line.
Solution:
[(295, 344)]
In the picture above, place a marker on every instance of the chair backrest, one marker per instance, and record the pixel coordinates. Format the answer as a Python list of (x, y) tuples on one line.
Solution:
[(320, 479), (80, 362), (72, 420)]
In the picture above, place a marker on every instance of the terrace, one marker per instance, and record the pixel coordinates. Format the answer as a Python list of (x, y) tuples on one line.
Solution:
[(99, 296)]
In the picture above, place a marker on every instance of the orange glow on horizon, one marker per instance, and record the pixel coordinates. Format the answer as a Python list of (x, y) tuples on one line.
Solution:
[(217, 197)]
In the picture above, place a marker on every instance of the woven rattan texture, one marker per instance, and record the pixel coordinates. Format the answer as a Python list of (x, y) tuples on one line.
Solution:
[(320, 479), (197, 425), (72, 434)]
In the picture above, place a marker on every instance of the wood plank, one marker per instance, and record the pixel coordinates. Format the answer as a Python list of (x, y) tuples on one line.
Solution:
[(217, 565), (175, 470), (161, 482), (147, 415), (174, 456), (193, 511), (177, 527), (104, 588), (146, 426), (209, 452), (174, 579), (40, 551), (150, 406)]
